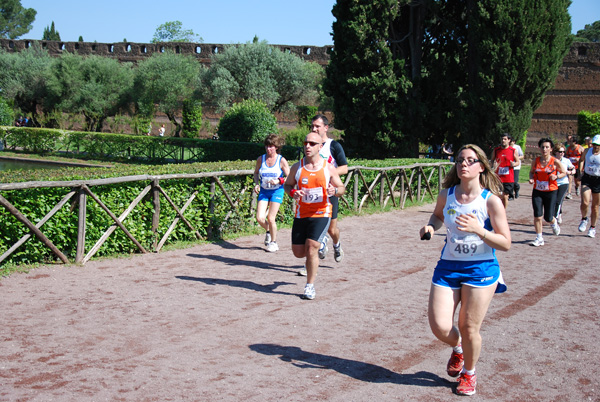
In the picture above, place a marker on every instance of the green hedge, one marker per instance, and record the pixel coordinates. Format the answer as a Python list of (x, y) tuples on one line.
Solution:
[(588, 124), (124, 147), (62, 228)]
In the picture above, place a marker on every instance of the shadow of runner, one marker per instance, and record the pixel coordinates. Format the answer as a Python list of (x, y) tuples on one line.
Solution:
[(241, 284), (232, 246), (361, 371), (249, 263)]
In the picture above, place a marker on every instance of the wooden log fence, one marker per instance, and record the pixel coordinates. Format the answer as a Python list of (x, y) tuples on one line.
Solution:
[(376, 185)]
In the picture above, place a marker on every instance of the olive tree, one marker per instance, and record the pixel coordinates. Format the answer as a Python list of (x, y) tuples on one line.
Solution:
[(164, 81), (23, 79), (259, 71), (94, 86)]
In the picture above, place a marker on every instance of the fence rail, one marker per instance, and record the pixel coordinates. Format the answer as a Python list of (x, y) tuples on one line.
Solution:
[(378, 186)]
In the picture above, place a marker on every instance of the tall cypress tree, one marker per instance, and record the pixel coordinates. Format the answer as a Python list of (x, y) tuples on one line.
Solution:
[(366, 79), (497, 59), (424, 70)]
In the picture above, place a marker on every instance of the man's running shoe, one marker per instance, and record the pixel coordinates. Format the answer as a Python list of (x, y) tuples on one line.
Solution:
[(323, 250), (537, 242), (272, 247), (582, 225), (309, 292), (556, 229), (338, 253), (455, 364), (466, 384), (302, 271), (267, 239), (568, 196), (592, 232), (559, 219)]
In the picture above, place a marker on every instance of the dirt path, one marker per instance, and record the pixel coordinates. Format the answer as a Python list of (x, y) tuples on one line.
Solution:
[(225, 322)]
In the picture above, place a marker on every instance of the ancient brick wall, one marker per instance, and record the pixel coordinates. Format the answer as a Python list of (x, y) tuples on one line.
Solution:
[(133, 52), (577, 86)]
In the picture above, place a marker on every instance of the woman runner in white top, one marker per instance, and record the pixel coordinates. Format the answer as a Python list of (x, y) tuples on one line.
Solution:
[(562, 179), (590, 186), (269, 175), (468, 272)]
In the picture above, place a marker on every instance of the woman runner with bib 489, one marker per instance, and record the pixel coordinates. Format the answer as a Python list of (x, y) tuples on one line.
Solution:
[(468, 271)]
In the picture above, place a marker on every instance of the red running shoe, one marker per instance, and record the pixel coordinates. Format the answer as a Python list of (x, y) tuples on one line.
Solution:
[(466, 384), (455, 364)]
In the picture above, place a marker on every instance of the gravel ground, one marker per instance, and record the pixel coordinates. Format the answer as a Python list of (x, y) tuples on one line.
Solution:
[(226, 322)]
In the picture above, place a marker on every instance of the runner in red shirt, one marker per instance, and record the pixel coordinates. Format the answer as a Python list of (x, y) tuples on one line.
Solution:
[(505, 158), (574, 152)]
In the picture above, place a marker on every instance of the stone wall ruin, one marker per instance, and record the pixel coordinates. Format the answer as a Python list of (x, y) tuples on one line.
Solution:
[(576, 88)]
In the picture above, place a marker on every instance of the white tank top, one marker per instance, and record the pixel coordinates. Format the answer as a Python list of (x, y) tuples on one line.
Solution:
[(592, 163), (325, 152), (464, 246), (267, 173)]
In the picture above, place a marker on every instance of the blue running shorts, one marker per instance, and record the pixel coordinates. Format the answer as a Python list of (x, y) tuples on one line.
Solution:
[(454, 274), (271, 195)]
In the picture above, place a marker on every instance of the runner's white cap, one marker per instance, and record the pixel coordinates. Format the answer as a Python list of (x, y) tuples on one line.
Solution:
[(596, 139)]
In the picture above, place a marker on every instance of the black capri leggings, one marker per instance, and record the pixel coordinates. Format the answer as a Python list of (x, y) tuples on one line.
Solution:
[(560, 197), (543, 204)]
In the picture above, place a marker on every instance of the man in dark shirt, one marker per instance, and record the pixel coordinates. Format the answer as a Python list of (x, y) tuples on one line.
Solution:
[(333, 153)]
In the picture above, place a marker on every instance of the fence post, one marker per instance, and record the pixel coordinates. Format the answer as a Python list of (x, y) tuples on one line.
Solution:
[(155, 213), (80, 253), (418, 185), (211, 208), (355, 195), (439, 178), (402, 195), (381, 188)]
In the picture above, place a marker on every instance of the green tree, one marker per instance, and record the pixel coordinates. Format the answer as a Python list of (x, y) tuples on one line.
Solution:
[(23, 79), (94, 86), (50, 33), (259, 71), (15, 20), (367, 80), (172, 31), (404, 71), (191, 118), (7, 116), (166, 80), (590, 33), (247, 121), (496, 62)]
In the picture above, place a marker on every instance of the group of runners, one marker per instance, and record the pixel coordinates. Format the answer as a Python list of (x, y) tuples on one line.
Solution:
[(472, 206), (559, 168), (315, 185)]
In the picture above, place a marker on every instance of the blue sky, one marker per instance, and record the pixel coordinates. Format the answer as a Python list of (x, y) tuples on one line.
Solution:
[(281, 22)]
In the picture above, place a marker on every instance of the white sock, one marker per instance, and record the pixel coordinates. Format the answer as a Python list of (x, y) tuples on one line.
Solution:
[(458, 349), (468, 372), (339, 243), (539, 236)]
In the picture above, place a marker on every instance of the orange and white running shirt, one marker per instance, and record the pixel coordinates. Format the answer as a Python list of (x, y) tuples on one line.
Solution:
[(541, 175), (315, 203)]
